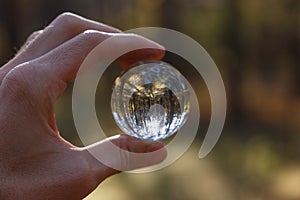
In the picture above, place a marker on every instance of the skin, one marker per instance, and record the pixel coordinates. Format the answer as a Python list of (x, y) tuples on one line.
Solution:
[(35, 161)]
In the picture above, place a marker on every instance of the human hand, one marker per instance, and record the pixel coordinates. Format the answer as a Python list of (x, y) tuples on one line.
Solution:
[(35, 161)]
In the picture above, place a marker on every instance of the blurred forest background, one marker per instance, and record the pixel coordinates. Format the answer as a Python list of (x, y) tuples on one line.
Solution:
[(255, 44)]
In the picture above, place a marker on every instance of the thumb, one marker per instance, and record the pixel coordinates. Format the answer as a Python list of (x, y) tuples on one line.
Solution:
[(123, 153)]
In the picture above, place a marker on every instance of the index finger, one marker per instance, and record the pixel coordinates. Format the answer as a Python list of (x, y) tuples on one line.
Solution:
[(60, 30)]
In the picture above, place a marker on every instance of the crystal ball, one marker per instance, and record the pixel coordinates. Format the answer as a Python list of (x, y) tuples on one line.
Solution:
[(150, 101)]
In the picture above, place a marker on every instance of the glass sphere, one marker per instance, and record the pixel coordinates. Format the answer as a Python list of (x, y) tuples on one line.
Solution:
[(150, 101)]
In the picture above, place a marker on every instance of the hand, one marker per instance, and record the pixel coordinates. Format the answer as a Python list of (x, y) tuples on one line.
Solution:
[(35, 161)]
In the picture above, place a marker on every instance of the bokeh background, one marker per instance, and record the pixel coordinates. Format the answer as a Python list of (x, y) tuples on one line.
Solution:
[(255, 44)]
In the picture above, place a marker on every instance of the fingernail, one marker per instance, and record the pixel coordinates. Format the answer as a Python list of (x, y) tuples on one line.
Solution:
[(155, 146)]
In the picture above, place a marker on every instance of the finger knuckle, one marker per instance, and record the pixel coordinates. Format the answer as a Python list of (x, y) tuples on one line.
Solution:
[(30, 40), (86, 40), (34, 35), (68, 20), (94, 36), (16, 82)]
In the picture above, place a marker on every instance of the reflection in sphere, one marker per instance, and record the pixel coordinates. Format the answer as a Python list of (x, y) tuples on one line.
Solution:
[(150, 101)]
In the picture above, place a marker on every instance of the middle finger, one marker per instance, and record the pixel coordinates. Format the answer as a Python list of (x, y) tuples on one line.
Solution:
[(62, 29)]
